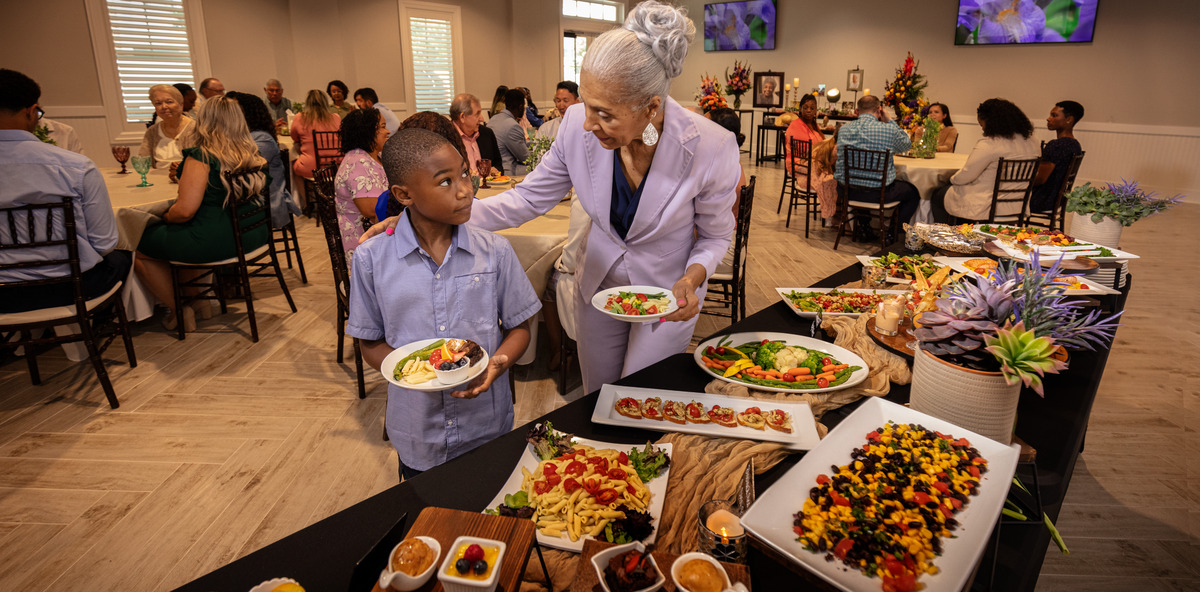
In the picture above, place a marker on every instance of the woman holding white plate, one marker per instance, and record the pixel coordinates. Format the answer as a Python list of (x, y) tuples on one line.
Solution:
[(657, 181)]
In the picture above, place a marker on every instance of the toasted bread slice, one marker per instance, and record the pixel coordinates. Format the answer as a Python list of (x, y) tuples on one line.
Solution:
[(780, 420), (652, 409), (674, 411), (629, 407), (752, 418), (722, 416), (696, 413)]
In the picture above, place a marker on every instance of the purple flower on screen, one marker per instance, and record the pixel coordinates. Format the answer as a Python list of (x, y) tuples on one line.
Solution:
[(968, 14), (1007, 21), (1087, 20), (726, 24), (765, 10)]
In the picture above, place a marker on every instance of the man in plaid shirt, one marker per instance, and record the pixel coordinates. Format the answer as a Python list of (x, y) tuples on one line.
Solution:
[(873, 130)]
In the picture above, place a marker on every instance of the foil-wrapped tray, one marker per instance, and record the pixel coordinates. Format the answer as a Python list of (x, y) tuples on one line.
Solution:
[(955, 239)]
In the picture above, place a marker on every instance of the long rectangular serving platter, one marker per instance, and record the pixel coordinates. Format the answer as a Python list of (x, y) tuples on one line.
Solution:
[(783, 293), (770, 518), (1095, 284), (804, 428)]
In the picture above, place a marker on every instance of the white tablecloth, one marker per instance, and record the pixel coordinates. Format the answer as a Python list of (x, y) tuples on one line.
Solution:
[(927, 174)]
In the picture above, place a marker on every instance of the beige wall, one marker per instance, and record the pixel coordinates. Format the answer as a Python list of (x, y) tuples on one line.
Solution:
[(49, 41)]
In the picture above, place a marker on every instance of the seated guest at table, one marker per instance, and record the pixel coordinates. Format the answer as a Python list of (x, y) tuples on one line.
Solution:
[(197, 228), (277, 104), (1056, 155), (531, 111), (1007, 133), (948, 137), (165, 140), (565, 95), (437, 276), (262, 129), (803, 127), (366, 98), (209, 87), (360, 178), (478, 140), (436, 123), (514, 149), (339, 93), (873, 130), (189, 97), (497, 101), (315, 117), (35, 172), (63, 135)]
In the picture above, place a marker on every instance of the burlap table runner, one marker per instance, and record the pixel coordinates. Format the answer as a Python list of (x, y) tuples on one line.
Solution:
[(705, 468)]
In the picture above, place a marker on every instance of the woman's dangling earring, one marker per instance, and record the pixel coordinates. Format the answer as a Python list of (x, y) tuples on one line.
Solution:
[(650, 134)]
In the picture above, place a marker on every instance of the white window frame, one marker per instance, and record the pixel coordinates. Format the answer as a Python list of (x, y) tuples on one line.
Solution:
[(585, 27), (119, 130), (620, 10), (436, 11)]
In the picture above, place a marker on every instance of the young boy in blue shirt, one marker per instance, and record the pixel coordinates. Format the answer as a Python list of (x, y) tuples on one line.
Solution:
[(437, 278)]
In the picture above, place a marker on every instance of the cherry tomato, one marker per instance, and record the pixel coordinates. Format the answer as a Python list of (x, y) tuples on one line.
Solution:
[(575, 468), (842, 548), (941, 486), (946, 511), (694, 411), (607, 496), (873, 436), (652, 309), (822, 479), (826, 361), (921, 497), (641, 297), (553, 479), (766, 341), (570, 485), (709, 351), (540, 487), (721, 351), (822, 382), (549, 469), (973, 470), (616, 474), (590, 485), (623, 459), (789, 378)]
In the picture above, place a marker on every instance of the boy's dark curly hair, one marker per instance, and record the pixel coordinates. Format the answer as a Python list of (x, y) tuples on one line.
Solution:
[(358, 130), (1001, 118)]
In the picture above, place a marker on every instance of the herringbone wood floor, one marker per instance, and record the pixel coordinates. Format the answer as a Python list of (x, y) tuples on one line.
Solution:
[(222, 446)]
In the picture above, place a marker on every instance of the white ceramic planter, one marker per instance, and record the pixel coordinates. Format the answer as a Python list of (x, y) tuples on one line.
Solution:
[(1107, 232), (978, 401)]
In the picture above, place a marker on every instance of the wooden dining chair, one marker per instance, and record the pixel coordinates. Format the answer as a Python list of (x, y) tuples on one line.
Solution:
[(286, 239), (865, 171), (42, 239), (1055, 219), (327, 146), (1014, 183), (248, 211), (801, 150), (727, 286), (341, 269)]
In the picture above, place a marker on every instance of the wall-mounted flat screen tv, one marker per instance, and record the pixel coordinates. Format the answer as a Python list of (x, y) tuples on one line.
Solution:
[(734, 26), (988, 22)]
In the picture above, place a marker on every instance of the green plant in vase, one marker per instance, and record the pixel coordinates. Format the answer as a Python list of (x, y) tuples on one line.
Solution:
[(1126, 203), (929, 139), (538, 147)]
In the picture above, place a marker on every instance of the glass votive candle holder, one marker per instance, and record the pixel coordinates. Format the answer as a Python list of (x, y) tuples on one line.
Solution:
[(888, 316), (721, 532), (874, 278)]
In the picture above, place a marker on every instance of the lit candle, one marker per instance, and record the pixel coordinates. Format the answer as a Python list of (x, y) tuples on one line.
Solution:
[(867, 92), (787, 87), (887, 317), (725, 523), (796, 82)]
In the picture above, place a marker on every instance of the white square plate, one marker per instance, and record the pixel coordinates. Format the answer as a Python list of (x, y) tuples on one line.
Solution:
[(770, 518)]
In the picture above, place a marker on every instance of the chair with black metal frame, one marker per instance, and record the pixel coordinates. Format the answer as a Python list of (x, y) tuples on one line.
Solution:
[(1014, 183), (327, 211), (801, 150), (727, 286), (247, 212), (286, 235), (1055, 219), (51, 227), (860, 167)]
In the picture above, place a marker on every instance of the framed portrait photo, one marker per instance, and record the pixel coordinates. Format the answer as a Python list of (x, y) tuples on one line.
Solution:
[(854, 80), (768, 89)]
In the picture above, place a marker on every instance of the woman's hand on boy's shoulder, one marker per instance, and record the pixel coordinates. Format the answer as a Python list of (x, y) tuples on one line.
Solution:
[(387, 225), (485, 379)]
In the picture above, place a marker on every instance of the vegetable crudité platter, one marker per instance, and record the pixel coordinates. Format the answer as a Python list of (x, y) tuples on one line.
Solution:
[(754, 359)]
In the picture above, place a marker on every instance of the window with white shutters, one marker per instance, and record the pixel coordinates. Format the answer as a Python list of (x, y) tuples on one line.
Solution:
[(150, 45), (433, 63)]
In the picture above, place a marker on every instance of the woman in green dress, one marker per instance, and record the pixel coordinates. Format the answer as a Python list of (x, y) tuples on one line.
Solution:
[(197, 228)]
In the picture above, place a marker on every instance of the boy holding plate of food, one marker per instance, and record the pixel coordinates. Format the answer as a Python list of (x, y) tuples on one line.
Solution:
[(436, 277)]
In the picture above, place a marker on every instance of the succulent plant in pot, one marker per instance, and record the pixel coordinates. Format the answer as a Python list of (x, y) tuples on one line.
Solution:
[(1126, 203), (1011, 322)]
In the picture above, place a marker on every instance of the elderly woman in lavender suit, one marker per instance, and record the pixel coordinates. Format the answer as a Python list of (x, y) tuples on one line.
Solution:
[(657, 181)]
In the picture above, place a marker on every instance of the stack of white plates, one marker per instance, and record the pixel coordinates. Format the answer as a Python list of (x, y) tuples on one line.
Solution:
[(1104, 276)]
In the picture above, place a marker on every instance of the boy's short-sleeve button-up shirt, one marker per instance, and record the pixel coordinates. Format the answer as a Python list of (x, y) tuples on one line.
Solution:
[(400, 294)]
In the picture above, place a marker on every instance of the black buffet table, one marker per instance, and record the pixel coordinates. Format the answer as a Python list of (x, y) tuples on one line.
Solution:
[(322, 556)]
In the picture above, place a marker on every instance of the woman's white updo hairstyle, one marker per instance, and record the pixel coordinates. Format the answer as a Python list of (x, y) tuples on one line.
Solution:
[(641, 57)]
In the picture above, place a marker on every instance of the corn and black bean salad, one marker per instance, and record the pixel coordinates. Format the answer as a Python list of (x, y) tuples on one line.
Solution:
[(886, 512)]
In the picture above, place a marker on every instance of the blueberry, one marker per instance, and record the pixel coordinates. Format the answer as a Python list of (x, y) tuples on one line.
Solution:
[(462, 362), (480, 567), (446, 366), (463, 566)]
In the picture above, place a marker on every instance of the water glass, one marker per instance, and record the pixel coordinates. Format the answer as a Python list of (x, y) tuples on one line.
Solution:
[(141, 164)]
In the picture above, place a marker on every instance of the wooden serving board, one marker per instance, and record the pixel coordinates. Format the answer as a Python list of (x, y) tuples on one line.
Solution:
[(445, 525), (586, 579), (1076, 264), (893, 343)]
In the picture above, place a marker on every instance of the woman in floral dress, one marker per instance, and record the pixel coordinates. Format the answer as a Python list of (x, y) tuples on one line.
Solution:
[(360, 178)]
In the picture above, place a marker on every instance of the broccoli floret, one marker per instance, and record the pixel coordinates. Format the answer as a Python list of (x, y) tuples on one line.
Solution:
[(766, 354)]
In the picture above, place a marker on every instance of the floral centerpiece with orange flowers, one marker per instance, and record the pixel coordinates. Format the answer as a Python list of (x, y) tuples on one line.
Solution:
[(906, 93), (710, 96), (738, 83)]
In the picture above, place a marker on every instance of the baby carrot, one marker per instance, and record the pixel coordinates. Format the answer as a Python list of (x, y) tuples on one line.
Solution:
[(798, 371), (826, 375), (834, 367)]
